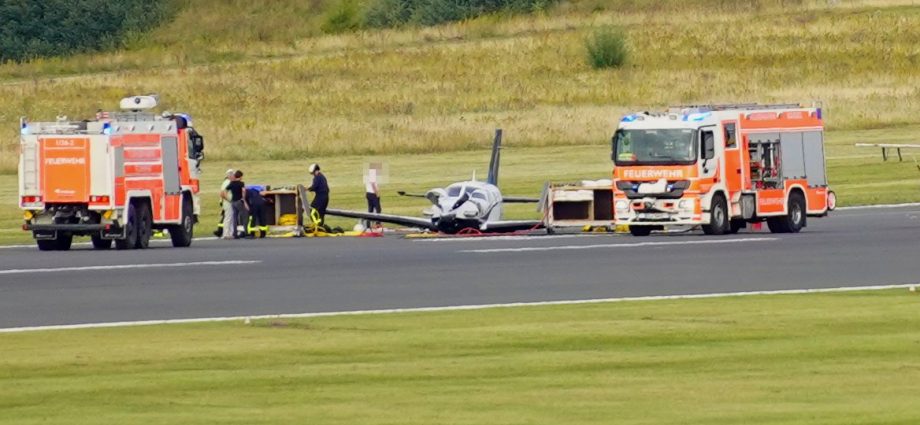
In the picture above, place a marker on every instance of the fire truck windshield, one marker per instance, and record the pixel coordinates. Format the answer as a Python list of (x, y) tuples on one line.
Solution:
[(655, 147)]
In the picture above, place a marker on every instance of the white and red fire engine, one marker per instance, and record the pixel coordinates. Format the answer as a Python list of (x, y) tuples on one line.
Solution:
[(114, 178), (720, 167)]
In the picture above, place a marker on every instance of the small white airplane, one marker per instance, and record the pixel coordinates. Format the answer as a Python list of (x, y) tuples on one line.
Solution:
[(463, 205)]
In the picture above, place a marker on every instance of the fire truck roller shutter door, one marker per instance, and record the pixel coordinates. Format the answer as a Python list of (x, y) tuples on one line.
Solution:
[(171, 165), (793, 162), (813, 143)]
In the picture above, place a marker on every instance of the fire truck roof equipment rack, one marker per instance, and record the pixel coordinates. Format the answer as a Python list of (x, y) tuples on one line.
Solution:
[(691, 109)]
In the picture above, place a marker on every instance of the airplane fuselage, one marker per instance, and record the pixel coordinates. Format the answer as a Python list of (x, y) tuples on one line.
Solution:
[(470, 204)]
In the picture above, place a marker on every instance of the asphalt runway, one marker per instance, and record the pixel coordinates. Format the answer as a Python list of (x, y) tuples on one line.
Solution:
[(870, 246)]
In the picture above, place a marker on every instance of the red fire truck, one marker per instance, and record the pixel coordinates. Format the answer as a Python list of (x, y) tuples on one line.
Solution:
[(114, 178), (720, 167)]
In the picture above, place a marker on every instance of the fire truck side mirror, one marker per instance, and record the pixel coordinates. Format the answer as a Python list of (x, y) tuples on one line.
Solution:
[(613, 148), (196, 147), (709, 145)]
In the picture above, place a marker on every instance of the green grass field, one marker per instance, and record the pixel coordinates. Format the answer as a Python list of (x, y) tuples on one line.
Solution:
[(844, 358), (263, 84)]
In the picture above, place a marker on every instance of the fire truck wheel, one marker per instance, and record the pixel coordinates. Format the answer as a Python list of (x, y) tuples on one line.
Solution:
[(64, 241), (46, 244), (144, 227), (718, 217), (130, 230), (792, 222), (640, 230), (100, 243), (182, 235), (735, 225), (61, 243)]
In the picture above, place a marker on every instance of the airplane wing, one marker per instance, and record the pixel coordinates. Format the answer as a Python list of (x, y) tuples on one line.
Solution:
[(511, 225), (411, 195), (400, 220), (519, 200)]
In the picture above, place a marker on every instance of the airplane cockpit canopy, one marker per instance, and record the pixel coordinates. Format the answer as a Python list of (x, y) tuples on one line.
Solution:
[(474, 192), (454, 190), (479, 195)]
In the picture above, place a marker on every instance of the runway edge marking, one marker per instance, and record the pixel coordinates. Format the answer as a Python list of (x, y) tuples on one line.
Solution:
[(455, 308), (616, 245), (127, 266)]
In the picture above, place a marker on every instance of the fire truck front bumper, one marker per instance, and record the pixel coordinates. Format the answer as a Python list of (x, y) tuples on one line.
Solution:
[(651, 212)]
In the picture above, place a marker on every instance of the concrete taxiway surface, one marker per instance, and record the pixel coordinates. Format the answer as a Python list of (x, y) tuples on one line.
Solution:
[(856, 247)]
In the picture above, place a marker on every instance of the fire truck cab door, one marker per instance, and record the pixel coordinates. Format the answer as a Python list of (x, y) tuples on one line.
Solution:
[(734, 172), (709, 153)]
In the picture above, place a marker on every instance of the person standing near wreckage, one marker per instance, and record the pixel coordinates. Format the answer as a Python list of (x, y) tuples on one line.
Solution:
[(239, 207), (372, 194), (226, 209), (320, 189)]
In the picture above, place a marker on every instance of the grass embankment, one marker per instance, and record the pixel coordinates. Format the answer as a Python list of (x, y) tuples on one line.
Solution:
[(790, 359), (857, 174), (260, 87)]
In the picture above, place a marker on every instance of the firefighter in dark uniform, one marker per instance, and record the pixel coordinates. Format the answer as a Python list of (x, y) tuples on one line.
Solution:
[(257, 224), (320, 189)]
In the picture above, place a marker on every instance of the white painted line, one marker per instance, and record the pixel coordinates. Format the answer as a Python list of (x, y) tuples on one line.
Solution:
[(537, 237), (127, 266), (204, 239), (618, 245), (883, 206), (454, 308)]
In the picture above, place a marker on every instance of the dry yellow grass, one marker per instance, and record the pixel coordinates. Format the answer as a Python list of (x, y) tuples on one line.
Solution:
[(258, 96)]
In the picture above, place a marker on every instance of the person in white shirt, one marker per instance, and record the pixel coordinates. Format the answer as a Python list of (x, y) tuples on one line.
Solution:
[(225, 217), (372, 194)]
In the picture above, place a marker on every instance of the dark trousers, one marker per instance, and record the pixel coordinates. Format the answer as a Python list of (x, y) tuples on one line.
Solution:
[(373, 205), (242, 217), (257, 219), (320, 203)]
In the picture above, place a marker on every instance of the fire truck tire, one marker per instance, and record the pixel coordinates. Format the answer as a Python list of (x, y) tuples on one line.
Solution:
[(64, 241), (46, 244), (640, 230), (792, 222), (100, 243), (130, 230), (735, 225), (61, 243), (144, 226), (718, 217), (182, 235)]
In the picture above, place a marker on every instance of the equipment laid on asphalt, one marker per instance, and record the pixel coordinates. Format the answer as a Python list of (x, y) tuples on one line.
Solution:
[(114, 178), (469, 206), (720, 167), (283, 211), (586, 205)]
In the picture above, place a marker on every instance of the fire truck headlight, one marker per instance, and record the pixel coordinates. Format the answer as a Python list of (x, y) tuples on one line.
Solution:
[(685, 204), (622, 205)]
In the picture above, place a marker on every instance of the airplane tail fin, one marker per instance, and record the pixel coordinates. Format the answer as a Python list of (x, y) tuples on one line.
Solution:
[(496, 158)]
